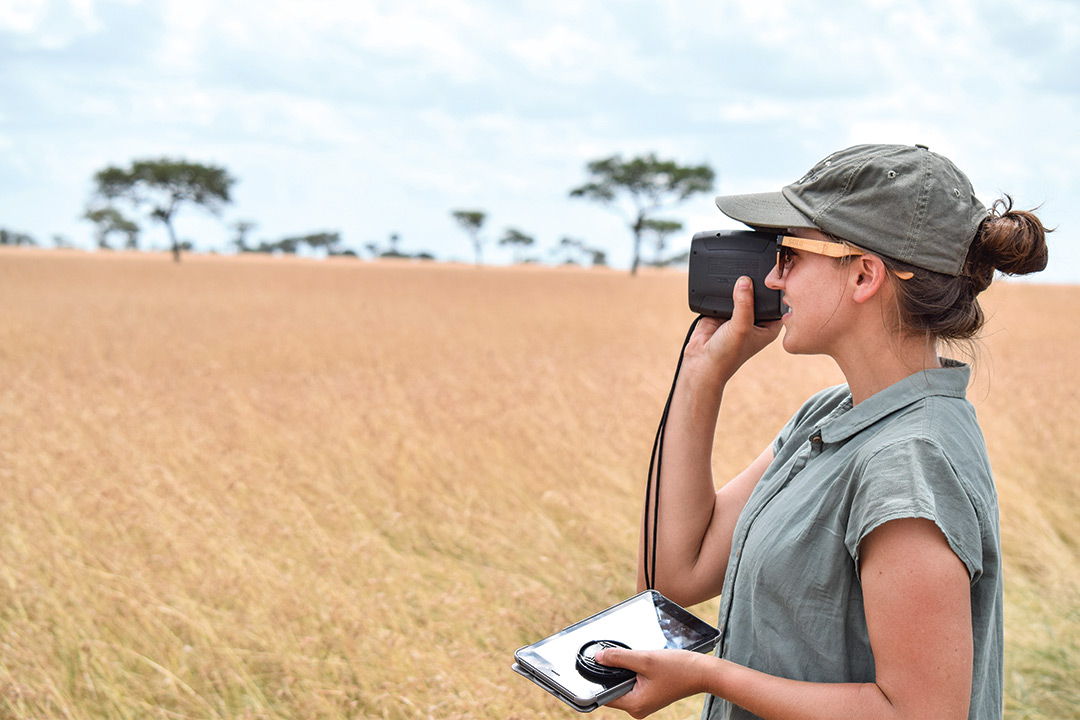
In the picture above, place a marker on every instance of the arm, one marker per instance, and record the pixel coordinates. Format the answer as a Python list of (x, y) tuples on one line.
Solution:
[(918, 612), (696, 522)]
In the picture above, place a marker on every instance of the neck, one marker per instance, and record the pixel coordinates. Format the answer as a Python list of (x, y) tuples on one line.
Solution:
[(885, 363)]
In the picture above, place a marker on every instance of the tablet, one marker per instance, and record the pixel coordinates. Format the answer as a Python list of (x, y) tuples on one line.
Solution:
[(561, 664)]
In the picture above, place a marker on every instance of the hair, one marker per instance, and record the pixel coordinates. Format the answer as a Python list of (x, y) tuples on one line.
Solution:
[(1012, 242)]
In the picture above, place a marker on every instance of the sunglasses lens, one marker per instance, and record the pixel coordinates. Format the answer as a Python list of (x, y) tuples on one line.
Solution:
[(782, 255)]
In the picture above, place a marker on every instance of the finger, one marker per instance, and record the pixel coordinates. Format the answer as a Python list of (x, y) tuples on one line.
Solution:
[(616, 657), (706, 328), (742, 314)]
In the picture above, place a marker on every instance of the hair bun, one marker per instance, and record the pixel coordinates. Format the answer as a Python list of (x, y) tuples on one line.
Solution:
[(1010, 241)]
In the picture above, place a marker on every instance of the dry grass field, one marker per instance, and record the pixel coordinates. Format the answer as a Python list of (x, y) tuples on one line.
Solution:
[(256, 488)]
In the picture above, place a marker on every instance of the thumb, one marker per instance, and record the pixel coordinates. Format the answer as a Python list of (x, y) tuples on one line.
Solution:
[(616, 657), (742, 312)]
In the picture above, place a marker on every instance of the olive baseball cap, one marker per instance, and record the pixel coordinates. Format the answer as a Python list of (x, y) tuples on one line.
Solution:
[(900, 201)]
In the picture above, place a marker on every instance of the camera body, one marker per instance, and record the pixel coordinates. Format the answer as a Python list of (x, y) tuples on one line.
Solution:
[(719, 258)]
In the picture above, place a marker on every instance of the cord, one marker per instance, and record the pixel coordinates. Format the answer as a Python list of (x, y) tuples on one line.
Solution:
[(656, 461)]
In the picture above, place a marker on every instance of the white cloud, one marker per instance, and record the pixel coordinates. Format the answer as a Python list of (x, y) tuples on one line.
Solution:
[(22, 16), (185, 22)]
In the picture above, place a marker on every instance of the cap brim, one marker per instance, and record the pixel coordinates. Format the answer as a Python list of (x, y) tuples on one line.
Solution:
[(767, 210)]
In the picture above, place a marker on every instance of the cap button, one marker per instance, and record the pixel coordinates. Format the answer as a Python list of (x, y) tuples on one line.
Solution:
[(921, 146)]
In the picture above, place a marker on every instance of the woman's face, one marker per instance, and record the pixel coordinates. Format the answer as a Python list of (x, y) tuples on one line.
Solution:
[(813, 287)]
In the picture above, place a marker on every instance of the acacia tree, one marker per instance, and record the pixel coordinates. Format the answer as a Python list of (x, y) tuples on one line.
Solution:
[(647, 184), (659, 230), (165, 186), (573, 251), (569, 249), (109, 220), (472, 221), (242, 228), (517, 240)]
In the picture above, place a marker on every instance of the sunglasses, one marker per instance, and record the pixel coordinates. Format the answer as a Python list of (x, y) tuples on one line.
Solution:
[(787, 244)]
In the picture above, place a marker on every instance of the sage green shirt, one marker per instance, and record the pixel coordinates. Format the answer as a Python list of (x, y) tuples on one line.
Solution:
[(792, 603)]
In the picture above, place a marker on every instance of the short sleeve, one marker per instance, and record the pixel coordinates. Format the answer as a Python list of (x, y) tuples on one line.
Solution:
[(913, 478)]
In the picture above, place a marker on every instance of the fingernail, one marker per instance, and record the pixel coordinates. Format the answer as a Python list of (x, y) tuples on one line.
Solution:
[(744, 283), (598, 656)]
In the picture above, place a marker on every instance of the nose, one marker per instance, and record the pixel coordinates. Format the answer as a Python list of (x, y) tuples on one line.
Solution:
[(773, 282)]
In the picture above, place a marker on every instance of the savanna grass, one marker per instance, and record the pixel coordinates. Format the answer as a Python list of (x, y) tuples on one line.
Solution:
[(255, 488)]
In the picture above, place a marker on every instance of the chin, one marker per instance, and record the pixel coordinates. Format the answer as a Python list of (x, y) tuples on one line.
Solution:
[(792, 346), (790, 341)]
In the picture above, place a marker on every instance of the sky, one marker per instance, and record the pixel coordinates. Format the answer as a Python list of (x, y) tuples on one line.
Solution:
[(374, 118)]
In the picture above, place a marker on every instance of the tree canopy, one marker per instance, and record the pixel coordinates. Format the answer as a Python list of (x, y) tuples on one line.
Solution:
[(660, 230), (517, 240), (648, 184), (164, 186), (472, 221), (108, 221)]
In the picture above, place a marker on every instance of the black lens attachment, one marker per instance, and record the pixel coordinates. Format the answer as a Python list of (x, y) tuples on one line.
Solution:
[(592, 670)]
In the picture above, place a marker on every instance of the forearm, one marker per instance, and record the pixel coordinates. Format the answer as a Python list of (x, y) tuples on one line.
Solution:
[(693, 520), (665, 676), (681, 501), (775, 698)]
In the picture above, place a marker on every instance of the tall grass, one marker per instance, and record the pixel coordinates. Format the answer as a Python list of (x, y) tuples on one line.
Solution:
[(247, 488)]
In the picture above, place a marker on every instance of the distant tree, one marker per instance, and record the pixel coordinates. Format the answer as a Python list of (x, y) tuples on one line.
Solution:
[(242, 228), (328, 241), (517, 241), (393, 250), (61, 242), (10, 237), (472, 221), (287, 245), (648, 183), (572, 251), (569, 250), (290, 245), (109, 221), (659, 230), (165, 186)]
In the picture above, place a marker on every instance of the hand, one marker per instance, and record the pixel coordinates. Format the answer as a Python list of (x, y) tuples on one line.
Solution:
[(718, 348), (663, 676)]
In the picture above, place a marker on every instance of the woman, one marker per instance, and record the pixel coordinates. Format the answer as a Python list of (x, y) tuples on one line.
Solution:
[(858, 557)]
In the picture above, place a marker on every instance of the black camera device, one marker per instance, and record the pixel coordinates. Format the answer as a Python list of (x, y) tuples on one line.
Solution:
[(719, 258)]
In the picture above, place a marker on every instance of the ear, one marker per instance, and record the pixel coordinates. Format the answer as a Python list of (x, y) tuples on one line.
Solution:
[(868, 277)]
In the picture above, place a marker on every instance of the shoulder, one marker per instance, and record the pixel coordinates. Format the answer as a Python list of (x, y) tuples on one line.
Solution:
[(929, 462), (930, 431)]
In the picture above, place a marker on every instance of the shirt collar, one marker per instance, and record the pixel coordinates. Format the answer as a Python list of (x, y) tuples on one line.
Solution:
[(950, 380)]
